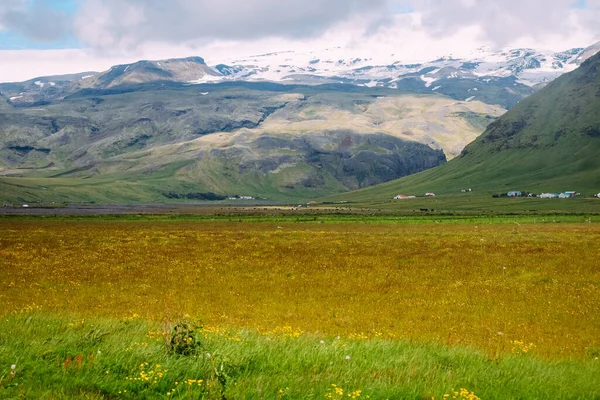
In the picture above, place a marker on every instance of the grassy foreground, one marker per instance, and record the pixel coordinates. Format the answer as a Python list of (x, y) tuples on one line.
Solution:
[(66, 357), (507, 310)]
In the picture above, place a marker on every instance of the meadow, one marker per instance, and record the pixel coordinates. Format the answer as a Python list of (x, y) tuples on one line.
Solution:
[(280, 309)]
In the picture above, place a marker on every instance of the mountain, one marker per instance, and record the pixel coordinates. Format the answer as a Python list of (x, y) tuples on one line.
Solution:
[(174, 70), (140, 131), (550, 142), (502, 78), (232, 138), (515, 69), (44, 90), (587, 53)]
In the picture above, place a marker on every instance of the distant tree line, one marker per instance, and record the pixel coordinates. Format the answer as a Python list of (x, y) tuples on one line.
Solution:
[(209, 196), (522, 194)]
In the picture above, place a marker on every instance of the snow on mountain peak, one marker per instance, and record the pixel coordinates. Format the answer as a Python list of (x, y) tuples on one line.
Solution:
[(531, 67)]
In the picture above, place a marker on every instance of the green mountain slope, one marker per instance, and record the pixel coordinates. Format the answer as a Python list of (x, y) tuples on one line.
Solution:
[(548, 142)]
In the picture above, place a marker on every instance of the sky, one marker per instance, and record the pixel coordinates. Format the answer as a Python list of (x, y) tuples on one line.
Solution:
[(47, 37)]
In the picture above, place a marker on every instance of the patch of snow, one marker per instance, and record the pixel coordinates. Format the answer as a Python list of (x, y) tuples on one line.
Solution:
[(204, 93), (436, 88), (157, 63), (428, 81), (206, 79), (371, 84), (469, 99), (16, 98), (40, 83), (126, 68), (87, 77), (51, 83)]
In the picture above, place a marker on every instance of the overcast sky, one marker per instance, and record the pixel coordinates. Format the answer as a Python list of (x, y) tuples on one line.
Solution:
[(44, 37)]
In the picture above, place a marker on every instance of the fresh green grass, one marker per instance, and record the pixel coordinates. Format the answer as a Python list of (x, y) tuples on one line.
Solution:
[(71, 190), (488, 174), (67, 357)]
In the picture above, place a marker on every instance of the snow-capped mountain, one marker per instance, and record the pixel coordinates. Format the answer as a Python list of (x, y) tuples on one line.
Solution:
[(502, 78), (530, 67)]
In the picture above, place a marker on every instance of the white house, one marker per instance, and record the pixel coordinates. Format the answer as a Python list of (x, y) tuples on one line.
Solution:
[(567, 195), (548, 196), (430, 194)]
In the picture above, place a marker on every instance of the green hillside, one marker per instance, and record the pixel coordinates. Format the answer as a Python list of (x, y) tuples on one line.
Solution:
[(550, 142)]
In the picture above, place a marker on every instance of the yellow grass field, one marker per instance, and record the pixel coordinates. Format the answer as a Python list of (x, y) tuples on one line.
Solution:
[(501, 288)]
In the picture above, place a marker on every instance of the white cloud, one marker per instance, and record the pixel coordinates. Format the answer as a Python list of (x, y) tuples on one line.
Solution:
[(125, 24), (505, 22)]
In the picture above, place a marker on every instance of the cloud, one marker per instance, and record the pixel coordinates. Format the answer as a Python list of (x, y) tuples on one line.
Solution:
[(504, 22), (108, 24), (36, 21), (121, 26), (121, 31)]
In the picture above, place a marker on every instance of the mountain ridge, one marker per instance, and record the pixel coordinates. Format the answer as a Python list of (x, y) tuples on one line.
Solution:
[(503, 78), (549, 142)]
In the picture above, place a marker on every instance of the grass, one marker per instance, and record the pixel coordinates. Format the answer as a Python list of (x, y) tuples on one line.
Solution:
[(503, 310), (66, 357), (488, 174)]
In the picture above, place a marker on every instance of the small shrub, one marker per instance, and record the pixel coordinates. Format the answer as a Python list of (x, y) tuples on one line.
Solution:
[(184, 339)]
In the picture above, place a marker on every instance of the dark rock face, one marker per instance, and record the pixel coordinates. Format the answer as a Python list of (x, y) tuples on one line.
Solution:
[(593, 131), (356, 160), (373, 159)]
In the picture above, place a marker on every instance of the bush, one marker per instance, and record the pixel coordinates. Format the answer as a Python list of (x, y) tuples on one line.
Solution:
[(184, 339)]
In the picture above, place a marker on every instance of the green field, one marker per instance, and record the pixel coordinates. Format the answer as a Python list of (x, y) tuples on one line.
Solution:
[(286, 307)]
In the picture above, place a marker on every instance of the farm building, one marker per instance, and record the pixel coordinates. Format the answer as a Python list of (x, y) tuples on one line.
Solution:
[(598, 195), (567, 195), (514, 193), (430, 194), (403, 197), (548, 196)]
